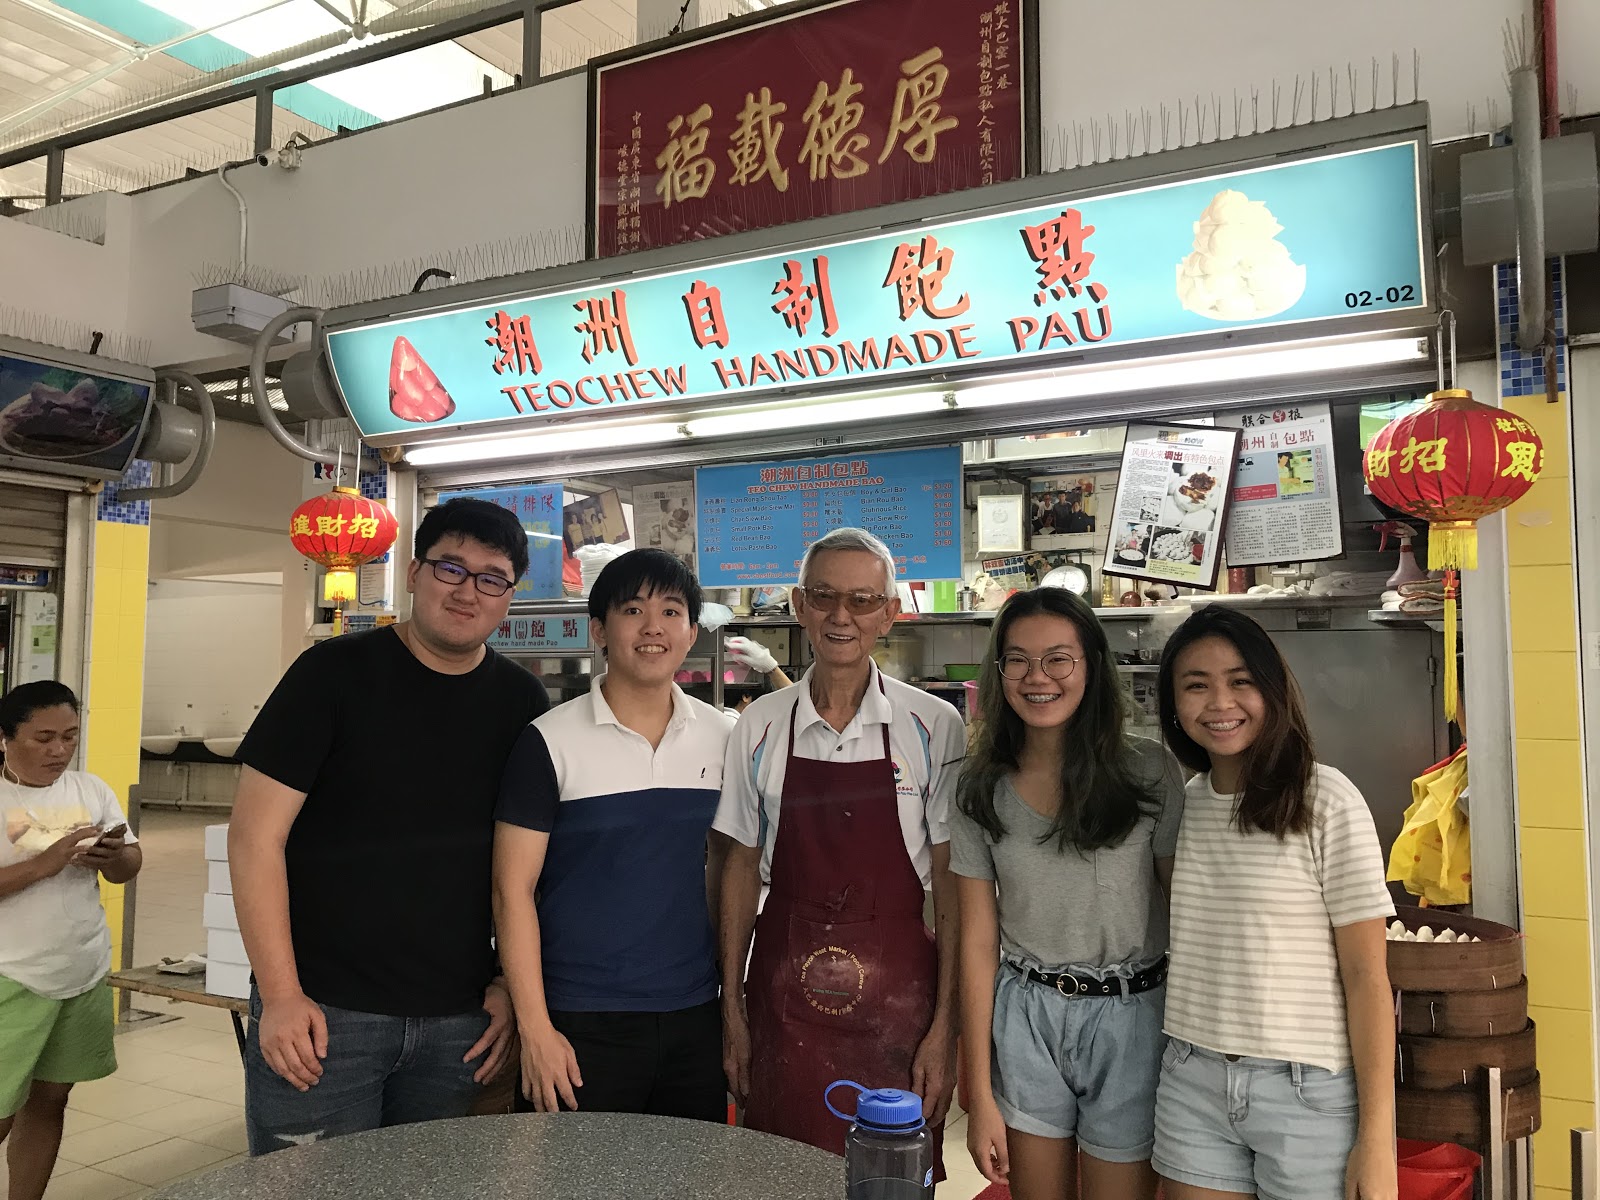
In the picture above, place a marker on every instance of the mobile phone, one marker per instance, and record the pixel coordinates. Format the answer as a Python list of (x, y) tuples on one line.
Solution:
[(115, 831)]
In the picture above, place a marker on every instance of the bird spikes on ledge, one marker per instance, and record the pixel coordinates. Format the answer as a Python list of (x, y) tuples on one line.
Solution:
[(466, 264), (72, 335), (1303, 100)]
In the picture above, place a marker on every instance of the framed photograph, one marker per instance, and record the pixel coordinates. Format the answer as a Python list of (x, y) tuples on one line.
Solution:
[(663, 519), (1171, 505), (594, 520), (1002, 524)]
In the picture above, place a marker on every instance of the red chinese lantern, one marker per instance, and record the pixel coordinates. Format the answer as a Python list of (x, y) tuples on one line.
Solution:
[(1450, 464), (339, 531)]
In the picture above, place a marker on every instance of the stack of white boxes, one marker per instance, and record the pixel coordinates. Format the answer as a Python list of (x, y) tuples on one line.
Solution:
[(227, 966)]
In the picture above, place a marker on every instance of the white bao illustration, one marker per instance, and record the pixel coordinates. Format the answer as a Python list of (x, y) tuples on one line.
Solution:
[(1238, 270)]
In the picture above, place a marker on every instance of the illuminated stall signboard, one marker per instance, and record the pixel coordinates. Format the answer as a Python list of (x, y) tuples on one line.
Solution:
[(1317, 239)]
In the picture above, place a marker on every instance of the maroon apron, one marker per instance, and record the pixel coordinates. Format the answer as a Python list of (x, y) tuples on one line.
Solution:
[(844, 974)]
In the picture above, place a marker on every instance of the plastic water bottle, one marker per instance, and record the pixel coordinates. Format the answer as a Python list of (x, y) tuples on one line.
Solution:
[(888, 1151)]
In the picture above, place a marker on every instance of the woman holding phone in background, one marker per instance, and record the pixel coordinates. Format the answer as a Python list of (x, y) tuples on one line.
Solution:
[(62, 830)]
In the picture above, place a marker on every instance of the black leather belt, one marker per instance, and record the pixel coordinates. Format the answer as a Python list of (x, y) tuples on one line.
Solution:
[(1069, 984)]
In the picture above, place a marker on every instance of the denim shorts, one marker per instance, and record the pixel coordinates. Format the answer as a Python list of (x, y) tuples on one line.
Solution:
[(380, 1070), (1080, 1067), (1279, 1130)]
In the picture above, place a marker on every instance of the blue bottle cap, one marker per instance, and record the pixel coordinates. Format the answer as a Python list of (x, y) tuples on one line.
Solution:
[(888, 1110)]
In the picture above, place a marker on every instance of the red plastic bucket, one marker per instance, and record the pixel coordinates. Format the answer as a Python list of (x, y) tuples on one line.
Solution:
[(1436, 1171)]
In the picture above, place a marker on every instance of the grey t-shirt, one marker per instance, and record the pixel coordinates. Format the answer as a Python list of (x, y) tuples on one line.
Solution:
[(1061, 908)]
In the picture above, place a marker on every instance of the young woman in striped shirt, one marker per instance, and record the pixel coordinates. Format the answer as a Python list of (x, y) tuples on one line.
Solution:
[(1278, 1076)]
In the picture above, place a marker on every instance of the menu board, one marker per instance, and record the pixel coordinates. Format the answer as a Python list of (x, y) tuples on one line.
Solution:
[(755, 520), (1172, 503), (1285, 503), (538, 507)]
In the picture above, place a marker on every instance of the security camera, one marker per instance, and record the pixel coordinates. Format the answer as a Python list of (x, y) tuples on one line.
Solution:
[(262, 160)]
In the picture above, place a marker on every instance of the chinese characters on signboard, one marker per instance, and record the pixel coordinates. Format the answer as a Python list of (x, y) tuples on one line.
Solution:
[(1172, 503), (1067, 277), (541, 635), (1285, 494), (755, 520), (845, 107), (538, 507)]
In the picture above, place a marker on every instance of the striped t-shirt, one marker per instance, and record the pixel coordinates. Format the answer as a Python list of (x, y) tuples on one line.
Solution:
[(1254, 970)]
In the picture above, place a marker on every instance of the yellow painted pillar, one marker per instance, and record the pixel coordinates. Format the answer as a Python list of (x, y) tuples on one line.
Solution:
[(1553, 845), (114, 666)]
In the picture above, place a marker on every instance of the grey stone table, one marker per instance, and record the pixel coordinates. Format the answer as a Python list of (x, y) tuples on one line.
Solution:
[(568, 1156)]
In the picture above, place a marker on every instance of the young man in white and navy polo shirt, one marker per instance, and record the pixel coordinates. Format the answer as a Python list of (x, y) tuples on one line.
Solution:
[(600, 868)]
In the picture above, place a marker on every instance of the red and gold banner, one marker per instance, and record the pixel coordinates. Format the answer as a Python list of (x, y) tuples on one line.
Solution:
[(834, 109)]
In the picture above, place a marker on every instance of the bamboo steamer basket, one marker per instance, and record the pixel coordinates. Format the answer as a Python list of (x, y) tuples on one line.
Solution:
[(1491, 964), (1439, 1063), (1464, 1014), (1456, 1115)]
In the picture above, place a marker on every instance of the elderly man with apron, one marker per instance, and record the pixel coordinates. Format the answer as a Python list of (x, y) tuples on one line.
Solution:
[(836, 794)]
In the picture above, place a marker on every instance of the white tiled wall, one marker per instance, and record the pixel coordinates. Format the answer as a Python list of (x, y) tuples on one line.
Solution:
[(211, 655)]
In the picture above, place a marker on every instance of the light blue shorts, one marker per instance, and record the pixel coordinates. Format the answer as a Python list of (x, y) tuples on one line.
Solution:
[(1279, 1130), (1080, 1067)]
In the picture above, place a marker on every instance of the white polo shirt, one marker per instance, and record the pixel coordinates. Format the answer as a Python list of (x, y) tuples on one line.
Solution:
[(926, 740)]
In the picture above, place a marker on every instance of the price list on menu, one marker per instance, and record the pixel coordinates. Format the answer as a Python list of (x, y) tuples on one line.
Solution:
[(755, 520)]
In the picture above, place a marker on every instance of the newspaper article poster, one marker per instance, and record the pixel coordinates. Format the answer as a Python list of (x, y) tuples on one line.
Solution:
[(1285, 503), (1171, 504), (663, 519)]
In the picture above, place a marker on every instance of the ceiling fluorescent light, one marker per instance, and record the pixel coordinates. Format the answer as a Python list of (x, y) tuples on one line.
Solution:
[(839, 412), (1182, 373), (528, 445)]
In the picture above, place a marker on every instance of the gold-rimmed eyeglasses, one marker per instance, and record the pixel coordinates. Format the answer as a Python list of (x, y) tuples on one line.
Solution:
[(828, 600)]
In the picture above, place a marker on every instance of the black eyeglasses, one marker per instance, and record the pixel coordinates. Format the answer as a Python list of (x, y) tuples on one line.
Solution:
[(1058, 664), (486, 582), (828, 600)]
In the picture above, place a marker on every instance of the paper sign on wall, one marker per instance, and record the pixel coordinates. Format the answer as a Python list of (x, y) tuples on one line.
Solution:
[(1285, 502), (1172, 503)]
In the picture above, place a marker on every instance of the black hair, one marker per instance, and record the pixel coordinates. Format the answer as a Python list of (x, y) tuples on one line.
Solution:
[(469, 517), (1275, 782), (1102, 797), (644, 573), (19, 704)]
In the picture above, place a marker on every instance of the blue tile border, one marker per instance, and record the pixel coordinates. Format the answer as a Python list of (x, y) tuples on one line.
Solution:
[(137, 512), (1522, 373)]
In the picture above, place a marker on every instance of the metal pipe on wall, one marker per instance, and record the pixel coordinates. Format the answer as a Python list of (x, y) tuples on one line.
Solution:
[(258, 382), (1528, 167), (202, 454)]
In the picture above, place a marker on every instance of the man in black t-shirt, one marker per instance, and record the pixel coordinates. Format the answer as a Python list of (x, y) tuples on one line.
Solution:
[(361, 844)]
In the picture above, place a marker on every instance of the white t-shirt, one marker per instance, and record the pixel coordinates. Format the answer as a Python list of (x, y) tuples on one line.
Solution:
[(1254, 968), (926, 740), (53, 935)]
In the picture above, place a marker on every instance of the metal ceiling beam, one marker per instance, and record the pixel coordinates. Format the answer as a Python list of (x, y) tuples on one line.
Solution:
[(206, 94), (137, 53), (73, 21)]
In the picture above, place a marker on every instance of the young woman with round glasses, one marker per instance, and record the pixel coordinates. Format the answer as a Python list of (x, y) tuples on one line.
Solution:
[(1062, 845)]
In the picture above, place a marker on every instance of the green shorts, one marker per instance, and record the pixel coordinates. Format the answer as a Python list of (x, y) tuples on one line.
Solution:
[(56, 1041)]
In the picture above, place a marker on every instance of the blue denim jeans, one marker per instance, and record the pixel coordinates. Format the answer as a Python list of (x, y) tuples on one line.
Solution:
[(380, 1070)]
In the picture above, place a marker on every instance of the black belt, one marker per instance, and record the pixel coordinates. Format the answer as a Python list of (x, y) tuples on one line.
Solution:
[(1069, 984)]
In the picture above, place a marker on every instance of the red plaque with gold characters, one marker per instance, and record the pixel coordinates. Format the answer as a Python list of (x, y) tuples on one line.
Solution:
[(1450, 464), (838, 107)]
